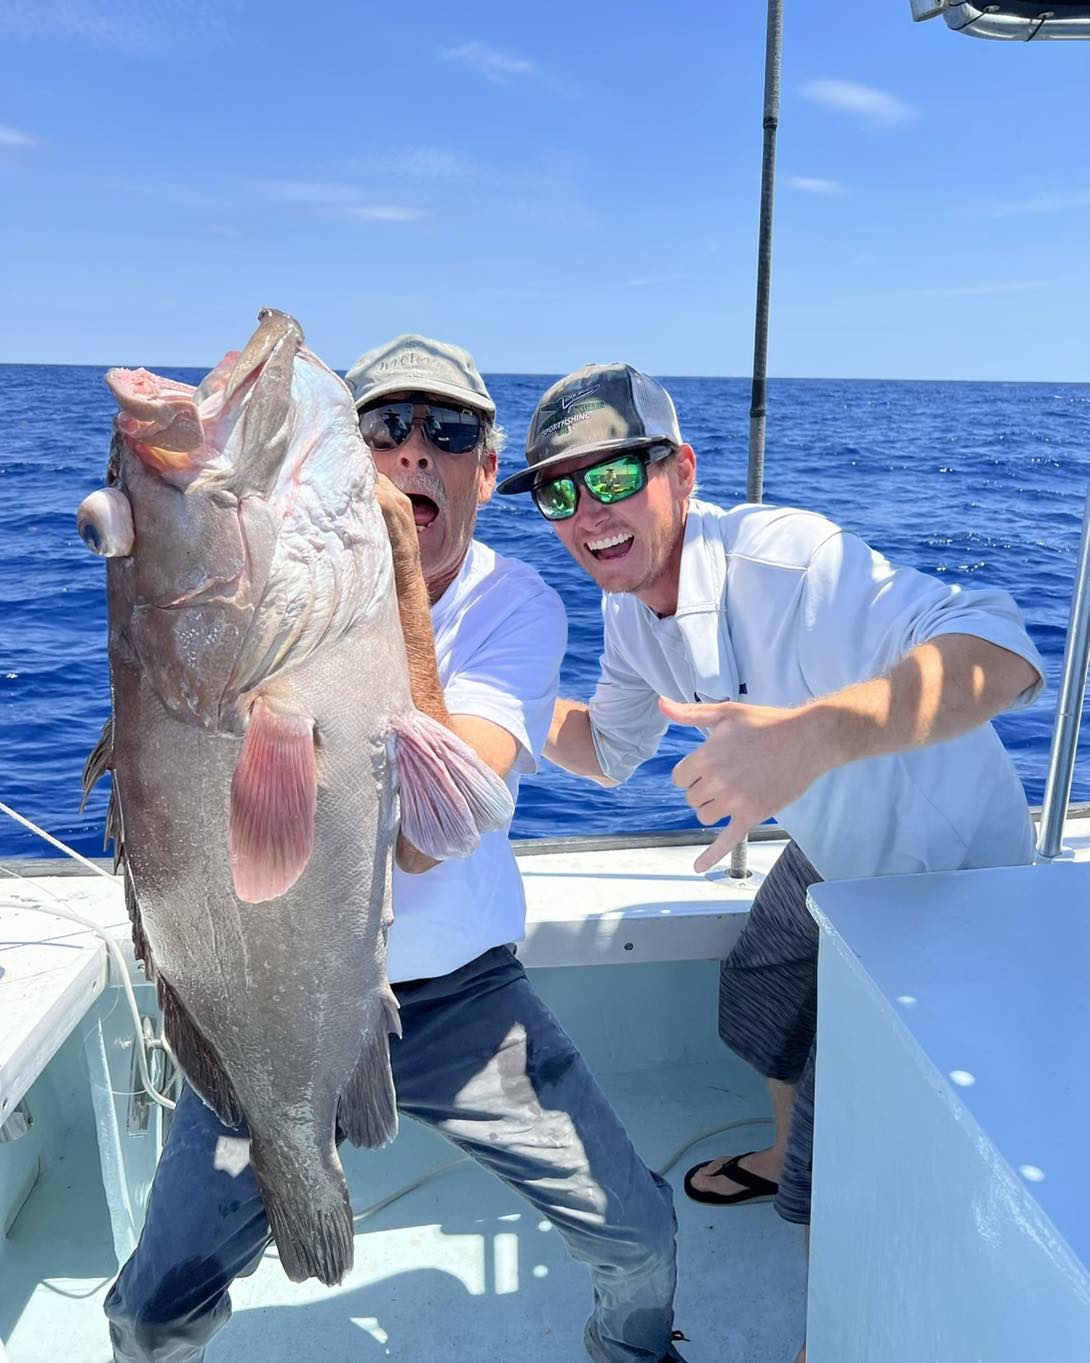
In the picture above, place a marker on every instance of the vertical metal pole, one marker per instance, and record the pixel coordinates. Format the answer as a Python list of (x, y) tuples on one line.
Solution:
[(773, 48), (1065, 734), (756, 470)]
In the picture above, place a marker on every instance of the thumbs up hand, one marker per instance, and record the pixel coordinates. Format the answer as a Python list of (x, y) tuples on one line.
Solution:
[(755, 760)]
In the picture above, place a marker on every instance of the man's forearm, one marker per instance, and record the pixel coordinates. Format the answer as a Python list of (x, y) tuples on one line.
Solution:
[(940, 690), (415, 611), (424, 685), (571, 744)]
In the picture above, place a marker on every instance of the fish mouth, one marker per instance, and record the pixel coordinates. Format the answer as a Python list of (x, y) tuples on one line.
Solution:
[(181, 432), (425, 511)]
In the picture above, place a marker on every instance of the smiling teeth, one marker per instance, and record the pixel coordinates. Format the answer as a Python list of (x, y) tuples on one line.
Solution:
[(607, 543)]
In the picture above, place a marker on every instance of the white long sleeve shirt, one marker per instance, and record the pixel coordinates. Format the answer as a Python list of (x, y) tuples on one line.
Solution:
[(779, 607)]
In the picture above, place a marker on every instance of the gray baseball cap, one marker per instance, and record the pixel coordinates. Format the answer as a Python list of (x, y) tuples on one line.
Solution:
[(600, 407), (417, 363)]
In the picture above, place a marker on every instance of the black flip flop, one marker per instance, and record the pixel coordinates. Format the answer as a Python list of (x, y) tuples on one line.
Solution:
[(754, 1187)]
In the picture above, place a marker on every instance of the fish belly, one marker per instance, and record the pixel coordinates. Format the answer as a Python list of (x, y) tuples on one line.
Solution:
[(280, 1011)]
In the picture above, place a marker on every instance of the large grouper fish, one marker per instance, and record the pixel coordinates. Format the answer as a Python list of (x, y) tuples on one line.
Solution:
[(263, 745)]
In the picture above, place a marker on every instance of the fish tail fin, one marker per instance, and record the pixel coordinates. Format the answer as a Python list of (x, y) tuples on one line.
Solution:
[(367, 1112), (449, 796), (311, 1220)]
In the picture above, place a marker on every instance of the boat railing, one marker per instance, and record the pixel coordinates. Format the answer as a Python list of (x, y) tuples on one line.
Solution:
[(1065, 733), (1017, 20)]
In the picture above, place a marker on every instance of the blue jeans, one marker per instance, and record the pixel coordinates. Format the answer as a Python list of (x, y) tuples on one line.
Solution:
[(485, 1063)]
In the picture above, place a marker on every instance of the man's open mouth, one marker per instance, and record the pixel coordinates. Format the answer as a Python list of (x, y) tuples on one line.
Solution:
[(610, 546), (424, 510)]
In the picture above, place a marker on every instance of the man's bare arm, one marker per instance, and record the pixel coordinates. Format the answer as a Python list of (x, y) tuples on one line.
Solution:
[(570, 744), (491, 742), (942, 689), (757, 758)]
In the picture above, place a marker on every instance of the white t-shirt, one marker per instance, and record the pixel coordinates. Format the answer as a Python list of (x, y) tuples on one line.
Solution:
[(500, 635), (778, 607)]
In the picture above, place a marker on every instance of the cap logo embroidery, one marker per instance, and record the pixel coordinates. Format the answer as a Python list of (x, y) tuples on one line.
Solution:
[(570, 401), (409, 359), (563, 413)]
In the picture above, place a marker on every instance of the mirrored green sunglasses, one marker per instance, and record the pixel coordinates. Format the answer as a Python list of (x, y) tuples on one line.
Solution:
[(613, 480)]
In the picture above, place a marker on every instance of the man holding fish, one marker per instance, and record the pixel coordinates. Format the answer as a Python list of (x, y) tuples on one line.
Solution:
[(479, 1057), (844, 695)]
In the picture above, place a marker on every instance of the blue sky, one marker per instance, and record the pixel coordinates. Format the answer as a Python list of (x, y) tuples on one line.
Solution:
[(546, 185)]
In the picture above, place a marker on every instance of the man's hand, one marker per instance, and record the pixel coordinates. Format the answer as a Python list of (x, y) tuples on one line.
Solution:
[(755, 760), (397, 511)]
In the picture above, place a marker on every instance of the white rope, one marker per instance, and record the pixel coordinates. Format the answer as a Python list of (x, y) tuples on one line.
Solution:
[(116, 956)]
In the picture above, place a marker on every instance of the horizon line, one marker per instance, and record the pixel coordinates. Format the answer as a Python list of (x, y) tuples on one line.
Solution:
[(552, 376)]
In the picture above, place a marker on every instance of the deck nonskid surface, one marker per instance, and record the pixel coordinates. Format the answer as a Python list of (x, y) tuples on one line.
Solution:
[(461, 1268)]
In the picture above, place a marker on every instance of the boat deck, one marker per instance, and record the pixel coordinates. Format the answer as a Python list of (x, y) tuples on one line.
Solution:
[(623, 945), (459, 1268)]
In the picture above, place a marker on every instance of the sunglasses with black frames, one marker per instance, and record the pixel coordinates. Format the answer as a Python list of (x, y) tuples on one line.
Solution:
[(615, 479), (385, 425)]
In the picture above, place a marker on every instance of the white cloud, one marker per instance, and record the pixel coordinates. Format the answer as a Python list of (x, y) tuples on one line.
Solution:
[(421, 163), (319, 192), (495, 66), (877, 106), (510, 292), (652, 280), (381, 213), (333, 199), (127, 25), (44, 18), (979, 290), (423, 174), (1041, 203), (12, 137), (813, 184)]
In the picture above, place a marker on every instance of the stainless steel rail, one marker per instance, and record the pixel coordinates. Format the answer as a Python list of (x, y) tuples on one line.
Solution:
[(1065, 733)]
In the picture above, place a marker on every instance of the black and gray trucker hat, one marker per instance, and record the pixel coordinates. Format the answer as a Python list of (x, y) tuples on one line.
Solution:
[(600, 407)]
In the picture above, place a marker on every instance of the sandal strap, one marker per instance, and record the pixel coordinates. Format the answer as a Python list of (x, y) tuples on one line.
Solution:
[(733, 1170)]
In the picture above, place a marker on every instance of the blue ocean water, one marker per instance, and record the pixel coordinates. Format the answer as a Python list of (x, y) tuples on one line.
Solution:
[(978, 482)]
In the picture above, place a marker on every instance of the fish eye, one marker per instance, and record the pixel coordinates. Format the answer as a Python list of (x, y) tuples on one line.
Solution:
[(104, 523)]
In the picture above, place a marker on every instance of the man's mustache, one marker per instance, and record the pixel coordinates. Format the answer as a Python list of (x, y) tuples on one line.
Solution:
[(422, 484)]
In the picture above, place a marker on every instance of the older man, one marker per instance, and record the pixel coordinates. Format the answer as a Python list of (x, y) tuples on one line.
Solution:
[(481, 1059), (845, 696)]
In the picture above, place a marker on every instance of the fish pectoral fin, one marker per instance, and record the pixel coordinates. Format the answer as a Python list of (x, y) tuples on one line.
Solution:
[(274, 793), (449, 796)]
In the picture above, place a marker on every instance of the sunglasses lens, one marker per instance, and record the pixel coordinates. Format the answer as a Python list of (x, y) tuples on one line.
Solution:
[(556, 499), (387, 426), (453, 429), (615, 481)]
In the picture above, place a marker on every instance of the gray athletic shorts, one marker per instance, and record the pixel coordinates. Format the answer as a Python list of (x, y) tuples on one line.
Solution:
[(768, 1009)]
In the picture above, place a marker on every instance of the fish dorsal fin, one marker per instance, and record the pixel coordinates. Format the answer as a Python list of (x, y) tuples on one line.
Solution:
[(274, 794), (449, 797), (99, 761)]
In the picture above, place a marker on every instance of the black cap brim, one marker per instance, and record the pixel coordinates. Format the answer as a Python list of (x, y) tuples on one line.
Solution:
[(524, 480)]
